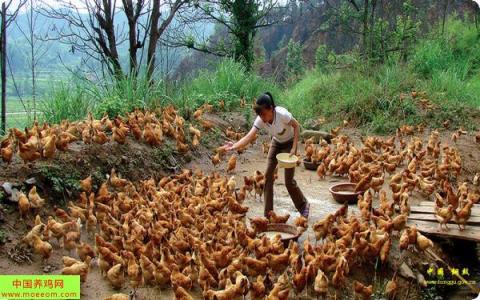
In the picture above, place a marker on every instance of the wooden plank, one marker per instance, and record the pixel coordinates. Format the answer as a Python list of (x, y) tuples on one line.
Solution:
[(473, 220), (431, 209), (476, 207), (470, 233)]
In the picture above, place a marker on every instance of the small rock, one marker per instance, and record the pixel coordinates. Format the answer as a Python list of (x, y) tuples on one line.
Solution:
[(49, 268), (421, 280), (14, 196), (312, 124), (406, 272), (306, 134), (7, 187), (31, 181)]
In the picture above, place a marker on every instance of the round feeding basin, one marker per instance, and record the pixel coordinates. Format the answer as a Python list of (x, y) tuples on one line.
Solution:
[(309, 165), (345, 193), (287, 232)]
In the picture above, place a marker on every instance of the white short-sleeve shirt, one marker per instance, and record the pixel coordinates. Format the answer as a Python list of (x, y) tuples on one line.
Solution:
[(280, 130)]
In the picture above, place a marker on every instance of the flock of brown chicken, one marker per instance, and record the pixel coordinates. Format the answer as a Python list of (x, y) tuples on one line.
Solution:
[(413, 165), (147, 126), (189, 231)]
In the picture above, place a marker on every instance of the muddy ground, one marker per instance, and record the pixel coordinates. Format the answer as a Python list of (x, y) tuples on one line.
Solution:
[(136, 161)]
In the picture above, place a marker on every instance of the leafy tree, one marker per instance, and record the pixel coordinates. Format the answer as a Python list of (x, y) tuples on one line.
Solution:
[(294, 62), (383, 27), (240, 18), (321, 57)]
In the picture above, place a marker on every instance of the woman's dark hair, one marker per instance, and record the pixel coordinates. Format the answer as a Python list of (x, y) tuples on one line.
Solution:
[(263, 102)]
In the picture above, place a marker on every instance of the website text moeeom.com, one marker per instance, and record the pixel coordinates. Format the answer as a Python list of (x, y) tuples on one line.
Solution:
[(39, 287), (38, 295)]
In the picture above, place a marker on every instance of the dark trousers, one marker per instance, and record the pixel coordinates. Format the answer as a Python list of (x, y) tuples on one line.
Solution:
[(295, 193)]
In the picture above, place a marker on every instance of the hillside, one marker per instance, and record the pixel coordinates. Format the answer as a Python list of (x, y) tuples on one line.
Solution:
[(311, 24)]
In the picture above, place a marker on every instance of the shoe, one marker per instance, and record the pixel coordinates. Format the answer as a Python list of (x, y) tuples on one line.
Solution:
[(306, 211)]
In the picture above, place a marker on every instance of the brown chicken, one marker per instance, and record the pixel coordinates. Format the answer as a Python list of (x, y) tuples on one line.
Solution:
[(28, 152), (281, 289), (323, 227), (49, 146), (257, 289), (86, 184), (259, 224), (179, 279), (182, 147), (119, 135), (274, 218), (206, 124), (205, 279), (299, 280), (423, 242), (278, 263), (321, 283), (116, 277), (120, 296), (77, 268), (461, 217), (216, 159), (232, 163), (254, 266), (133, 270), (391, 288), (42, 248), (443, 215), (35, 200), (7, 153), (71, 240), (365, 292), (180, 293), (23, 205)]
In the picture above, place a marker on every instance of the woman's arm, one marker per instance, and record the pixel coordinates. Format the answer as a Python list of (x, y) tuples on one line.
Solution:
[(244, 141), (296, 131)]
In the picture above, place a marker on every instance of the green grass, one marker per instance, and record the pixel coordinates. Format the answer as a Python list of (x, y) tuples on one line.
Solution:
[(66, 102), (228, 82), (446, 68)]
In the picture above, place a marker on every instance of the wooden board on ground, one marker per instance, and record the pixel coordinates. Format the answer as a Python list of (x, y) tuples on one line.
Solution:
[(473, 220), (430, 209), (471, 233), (432, 203)]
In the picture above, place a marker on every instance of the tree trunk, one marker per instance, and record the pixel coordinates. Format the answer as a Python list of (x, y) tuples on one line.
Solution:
[(132, 18), (444, 17), (372, 26), (243, 50), (33, 62), (4, 67), (154, 36), (156, 31), (365, 28), (109, 26)]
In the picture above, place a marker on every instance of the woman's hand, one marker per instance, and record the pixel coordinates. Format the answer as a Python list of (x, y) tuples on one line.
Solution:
[(293, 151), (229, 146)]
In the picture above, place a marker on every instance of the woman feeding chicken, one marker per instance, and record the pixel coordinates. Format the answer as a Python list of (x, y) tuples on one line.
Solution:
[(284, 129)]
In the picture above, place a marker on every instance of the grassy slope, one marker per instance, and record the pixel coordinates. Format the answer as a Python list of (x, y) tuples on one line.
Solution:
[(446, 69)]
